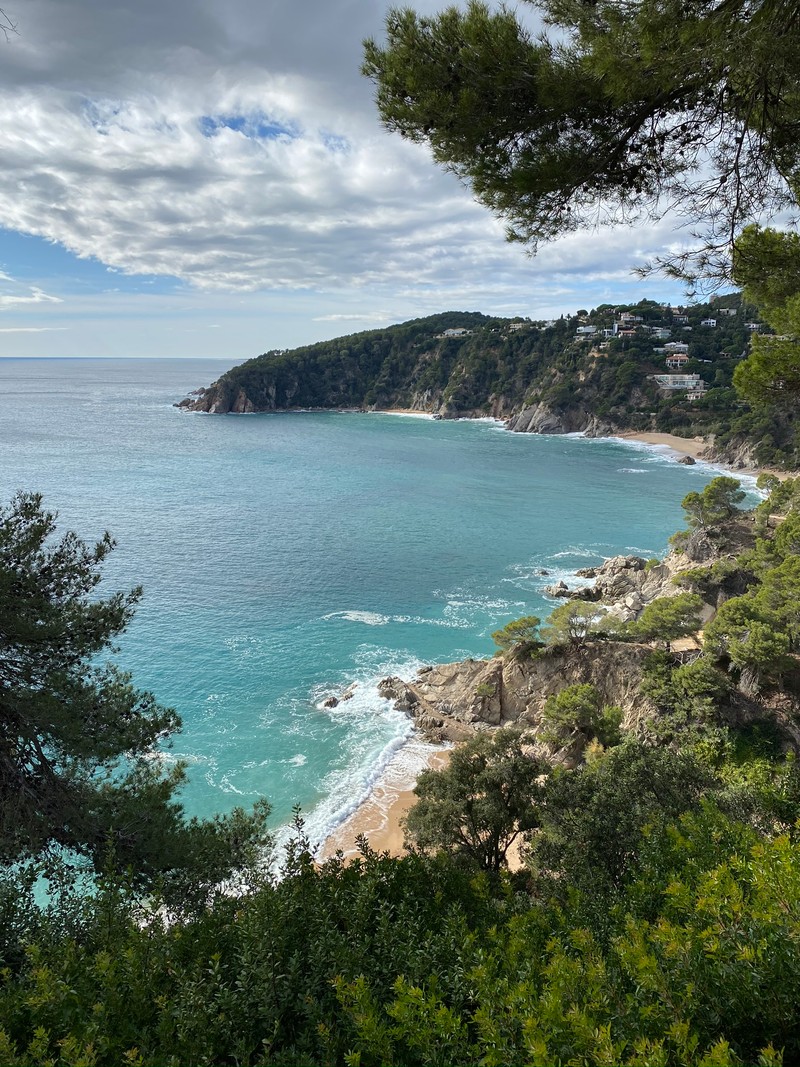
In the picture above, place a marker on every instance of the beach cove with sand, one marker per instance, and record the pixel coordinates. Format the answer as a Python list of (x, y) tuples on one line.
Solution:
[(285, 558)]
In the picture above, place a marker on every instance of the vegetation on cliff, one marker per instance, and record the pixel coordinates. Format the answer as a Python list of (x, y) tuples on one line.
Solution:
[(543, 376)]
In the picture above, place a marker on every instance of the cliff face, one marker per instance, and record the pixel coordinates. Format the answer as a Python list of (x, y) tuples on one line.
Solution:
[(451, 701), (541, 418)]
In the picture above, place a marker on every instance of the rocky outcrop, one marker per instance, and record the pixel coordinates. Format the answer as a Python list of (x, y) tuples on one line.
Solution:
[(452, 701), (625, 585), (738, 454), (539, 418)]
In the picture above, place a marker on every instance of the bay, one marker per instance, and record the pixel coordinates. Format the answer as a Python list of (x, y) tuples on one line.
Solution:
[(285, 556)]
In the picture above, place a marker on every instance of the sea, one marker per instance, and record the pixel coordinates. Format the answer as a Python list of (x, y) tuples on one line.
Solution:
[(288, 558)]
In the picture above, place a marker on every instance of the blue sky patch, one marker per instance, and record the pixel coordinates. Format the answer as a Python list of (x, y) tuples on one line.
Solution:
[(334, 142), (37, 261), (258, 126)]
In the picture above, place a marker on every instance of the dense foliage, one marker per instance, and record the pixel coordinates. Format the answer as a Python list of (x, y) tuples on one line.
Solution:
[(655, 918), (624, 111)]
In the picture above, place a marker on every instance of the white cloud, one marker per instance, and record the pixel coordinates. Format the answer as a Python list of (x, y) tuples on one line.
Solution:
[(236, 147), (356, 316), (34, 296), (32, 329)]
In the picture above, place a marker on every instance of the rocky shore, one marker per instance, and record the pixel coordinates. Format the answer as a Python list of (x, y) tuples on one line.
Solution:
[(449, 702)]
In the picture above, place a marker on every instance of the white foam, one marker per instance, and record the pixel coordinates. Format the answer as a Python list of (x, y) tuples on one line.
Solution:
[(369, 716), (664, 453), (368, 618), (227, 786), (406, 414), (583, 551), (374, 618)]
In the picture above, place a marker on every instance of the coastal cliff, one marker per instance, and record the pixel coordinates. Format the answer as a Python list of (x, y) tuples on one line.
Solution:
[(453, 701), (539, 377)]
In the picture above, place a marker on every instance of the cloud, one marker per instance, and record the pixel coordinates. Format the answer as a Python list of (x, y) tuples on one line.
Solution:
[(236, 147), (356, 316), (34, 296), (32, 329)]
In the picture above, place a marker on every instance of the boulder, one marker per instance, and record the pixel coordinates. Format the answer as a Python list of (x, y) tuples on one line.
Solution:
[(560, 589)]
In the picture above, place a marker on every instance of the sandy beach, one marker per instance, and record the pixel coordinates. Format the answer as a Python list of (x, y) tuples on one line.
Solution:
[(378, 818), (685, 446), (693, 446)]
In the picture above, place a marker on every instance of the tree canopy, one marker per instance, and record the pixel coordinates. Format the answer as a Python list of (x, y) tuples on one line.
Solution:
[(80, 756), (715, 504), (625, 111), (481, 802)]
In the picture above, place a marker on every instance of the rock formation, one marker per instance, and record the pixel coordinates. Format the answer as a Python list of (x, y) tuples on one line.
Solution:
[(449, 702)]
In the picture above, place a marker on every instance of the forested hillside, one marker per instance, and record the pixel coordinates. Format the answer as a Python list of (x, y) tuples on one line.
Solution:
[(593, 371)]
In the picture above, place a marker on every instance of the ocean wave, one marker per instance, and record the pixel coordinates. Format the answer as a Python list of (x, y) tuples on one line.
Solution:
[(369, 618), (632, 470), (226, 786), (406, 414), (582, 551), (377, 737), (451, 621), (395, 770)]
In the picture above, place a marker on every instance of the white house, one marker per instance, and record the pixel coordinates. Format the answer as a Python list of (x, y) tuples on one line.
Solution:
[(676, 346), (754, 326), (678, 381), (730, 312), (708, 322), (585, 331), (460, 332), (676, 360)]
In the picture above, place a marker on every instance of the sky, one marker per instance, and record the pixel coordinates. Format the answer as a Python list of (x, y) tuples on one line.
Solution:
[(191, 178)]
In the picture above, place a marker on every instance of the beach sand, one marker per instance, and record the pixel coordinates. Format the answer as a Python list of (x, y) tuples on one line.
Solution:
[(693, 446), (686, 446), (378, 818)]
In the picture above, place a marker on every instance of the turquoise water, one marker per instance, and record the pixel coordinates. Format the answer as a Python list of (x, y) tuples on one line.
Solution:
[(285, 556)]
